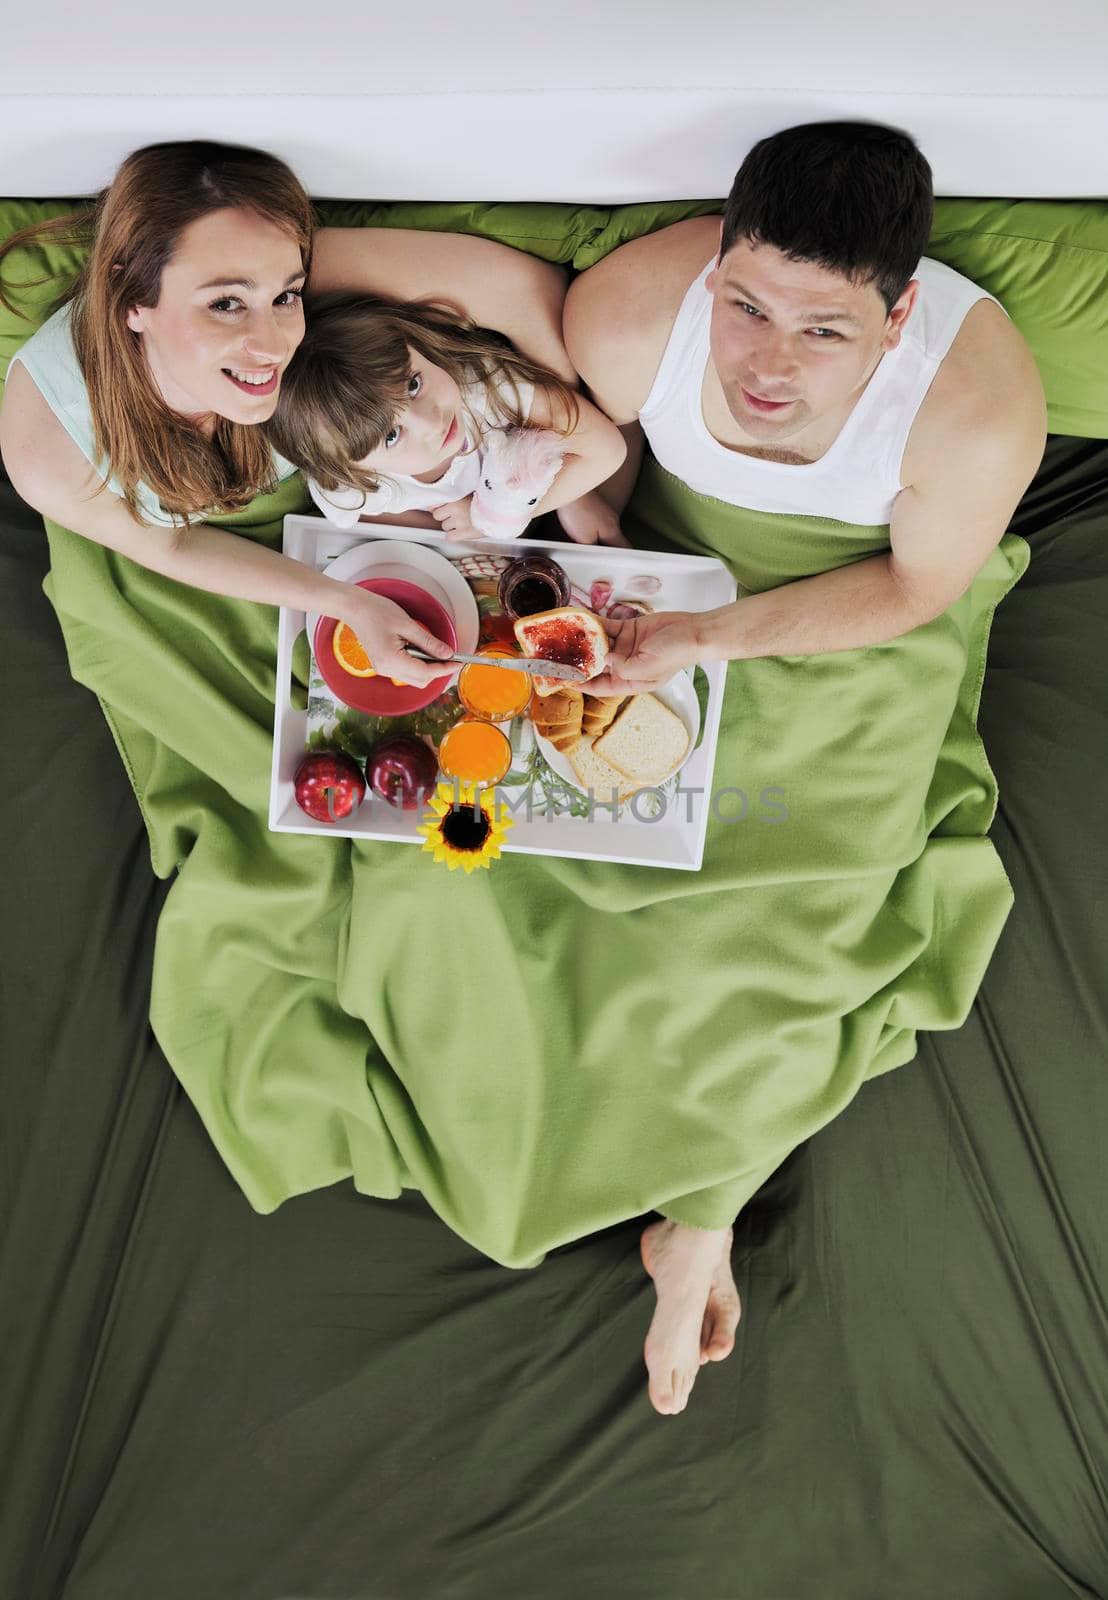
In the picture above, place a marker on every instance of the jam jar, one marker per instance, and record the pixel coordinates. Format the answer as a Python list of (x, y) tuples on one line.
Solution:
[(533, 583)]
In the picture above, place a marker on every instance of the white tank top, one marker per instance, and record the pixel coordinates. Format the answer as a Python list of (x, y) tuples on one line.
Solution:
[(858, 478)]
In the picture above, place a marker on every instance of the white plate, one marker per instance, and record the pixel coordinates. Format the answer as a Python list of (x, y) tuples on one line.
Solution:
[(414, 563), (678, 695)]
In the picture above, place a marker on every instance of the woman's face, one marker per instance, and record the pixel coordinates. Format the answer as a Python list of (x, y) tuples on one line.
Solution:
[(429, 431), (228, 319)]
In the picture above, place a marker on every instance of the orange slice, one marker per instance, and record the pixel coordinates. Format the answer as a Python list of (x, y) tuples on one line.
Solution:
[(350, 653), (351, 656)]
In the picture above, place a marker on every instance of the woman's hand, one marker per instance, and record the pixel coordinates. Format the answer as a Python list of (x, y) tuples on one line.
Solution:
[(383, 629), (591, 520), (453, 519), (646, 652)]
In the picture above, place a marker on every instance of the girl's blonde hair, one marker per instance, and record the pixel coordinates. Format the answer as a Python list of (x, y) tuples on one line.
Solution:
[(132, 230), (348, 381)]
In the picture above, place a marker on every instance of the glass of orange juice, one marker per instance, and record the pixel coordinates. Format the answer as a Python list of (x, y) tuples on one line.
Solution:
[(492, 693), (475, 751)]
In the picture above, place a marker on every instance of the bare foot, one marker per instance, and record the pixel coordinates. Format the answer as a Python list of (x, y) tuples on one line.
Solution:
[(698, 1307)]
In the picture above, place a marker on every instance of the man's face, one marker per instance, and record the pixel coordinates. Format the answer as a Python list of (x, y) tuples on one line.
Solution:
[(794, 333), (228, 312)]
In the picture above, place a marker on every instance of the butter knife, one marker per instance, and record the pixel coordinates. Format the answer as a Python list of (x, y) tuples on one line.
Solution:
[(532, 664)]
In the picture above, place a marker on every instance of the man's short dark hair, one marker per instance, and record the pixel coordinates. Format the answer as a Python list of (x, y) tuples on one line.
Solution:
[(855, 197)]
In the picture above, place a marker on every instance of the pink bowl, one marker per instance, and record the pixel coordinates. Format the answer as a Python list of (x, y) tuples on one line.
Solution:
[(380, 697)]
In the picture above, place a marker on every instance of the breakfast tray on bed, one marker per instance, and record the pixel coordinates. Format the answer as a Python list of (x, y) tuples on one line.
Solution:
[(661, 826)]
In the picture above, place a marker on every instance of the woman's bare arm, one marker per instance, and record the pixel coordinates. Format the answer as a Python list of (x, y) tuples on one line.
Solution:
[(498, 287), (50, 472), (52, 475)]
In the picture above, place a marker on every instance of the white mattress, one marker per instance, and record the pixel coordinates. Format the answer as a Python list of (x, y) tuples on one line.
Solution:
[(584, 100)]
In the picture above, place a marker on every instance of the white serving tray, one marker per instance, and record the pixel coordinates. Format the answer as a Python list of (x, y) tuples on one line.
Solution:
[(673, 837)]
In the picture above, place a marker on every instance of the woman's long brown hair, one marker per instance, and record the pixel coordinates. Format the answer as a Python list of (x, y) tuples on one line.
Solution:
[(349, 380), (132, 230)]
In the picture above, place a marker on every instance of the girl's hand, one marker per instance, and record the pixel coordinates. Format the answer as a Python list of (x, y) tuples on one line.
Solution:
[(453, 518), (383, 629), (591, 520), (646, 652)]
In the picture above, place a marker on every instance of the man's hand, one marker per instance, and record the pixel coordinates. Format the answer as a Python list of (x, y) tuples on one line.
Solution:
[(453, 519), (591, 520), (646, 652)]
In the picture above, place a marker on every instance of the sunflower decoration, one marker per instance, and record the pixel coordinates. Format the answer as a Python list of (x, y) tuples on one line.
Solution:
[(465, 826)]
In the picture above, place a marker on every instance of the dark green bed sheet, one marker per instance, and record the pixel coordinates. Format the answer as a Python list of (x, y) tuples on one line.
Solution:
[(343, 1401)]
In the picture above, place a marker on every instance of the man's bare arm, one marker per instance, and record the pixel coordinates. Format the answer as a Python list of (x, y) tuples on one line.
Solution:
[(615, 325), (942, 532), (969, 474), (846, 609), (615, 330)]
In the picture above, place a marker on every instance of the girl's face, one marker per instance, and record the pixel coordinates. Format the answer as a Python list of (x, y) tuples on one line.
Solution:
[(228, 319), (428, 431)]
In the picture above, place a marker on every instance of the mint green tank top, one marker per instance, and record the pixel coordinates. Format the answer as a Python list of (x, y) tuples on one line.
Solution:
[(51, 359)]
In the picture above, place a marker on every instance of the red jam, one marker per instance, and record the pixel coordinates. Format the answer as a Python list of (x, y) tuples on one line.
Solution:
[(563, 641)]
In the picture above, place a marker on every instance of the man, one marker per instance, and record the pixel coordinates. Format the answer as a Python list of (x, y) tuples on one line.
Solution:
[(798, 356)]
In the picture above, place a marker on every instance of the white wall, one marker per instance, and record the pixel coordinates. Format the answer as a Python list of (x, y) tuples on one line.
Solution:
[(593, 100)]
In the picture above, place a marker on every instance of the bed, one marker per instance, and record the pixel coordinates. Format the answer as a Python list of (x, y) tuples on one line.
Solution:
[(343, 1399)]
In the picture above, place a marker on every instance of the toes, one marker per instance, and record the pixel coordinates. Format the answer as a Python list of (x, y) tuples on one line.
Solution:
[(659, 1398), (670, 1385), (721, 1316), (707, 1332), (663, 1390), (669, 1394), (680, 1392), (722, 1339)]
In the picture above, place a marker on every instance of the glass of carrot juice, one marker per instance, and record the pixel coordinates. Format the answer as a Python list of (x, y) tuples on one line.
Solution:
[(492, 693), (475, 751)]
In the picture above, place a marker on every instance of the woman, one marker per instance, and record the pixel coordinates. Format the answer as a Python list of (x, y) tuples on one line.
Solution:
[(171, 350)]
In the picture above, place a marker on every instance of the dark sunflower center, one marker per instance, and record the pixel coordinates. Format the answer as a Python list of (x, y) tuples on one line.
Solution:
[(465, 827)]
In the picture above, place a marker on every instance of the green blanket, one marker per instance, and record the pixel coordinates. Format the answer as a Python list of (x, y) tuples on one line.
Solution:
[(556, 1046)]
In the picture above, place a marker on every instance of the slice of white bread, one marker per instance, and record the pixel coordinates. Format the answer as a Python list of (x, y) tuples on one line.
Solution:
[(594, 773), (646, 742), (569, 634)]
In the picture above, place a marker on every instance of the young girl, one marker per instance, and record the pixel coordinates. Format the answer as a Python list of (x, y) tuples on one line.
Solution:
[(386, 409)]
